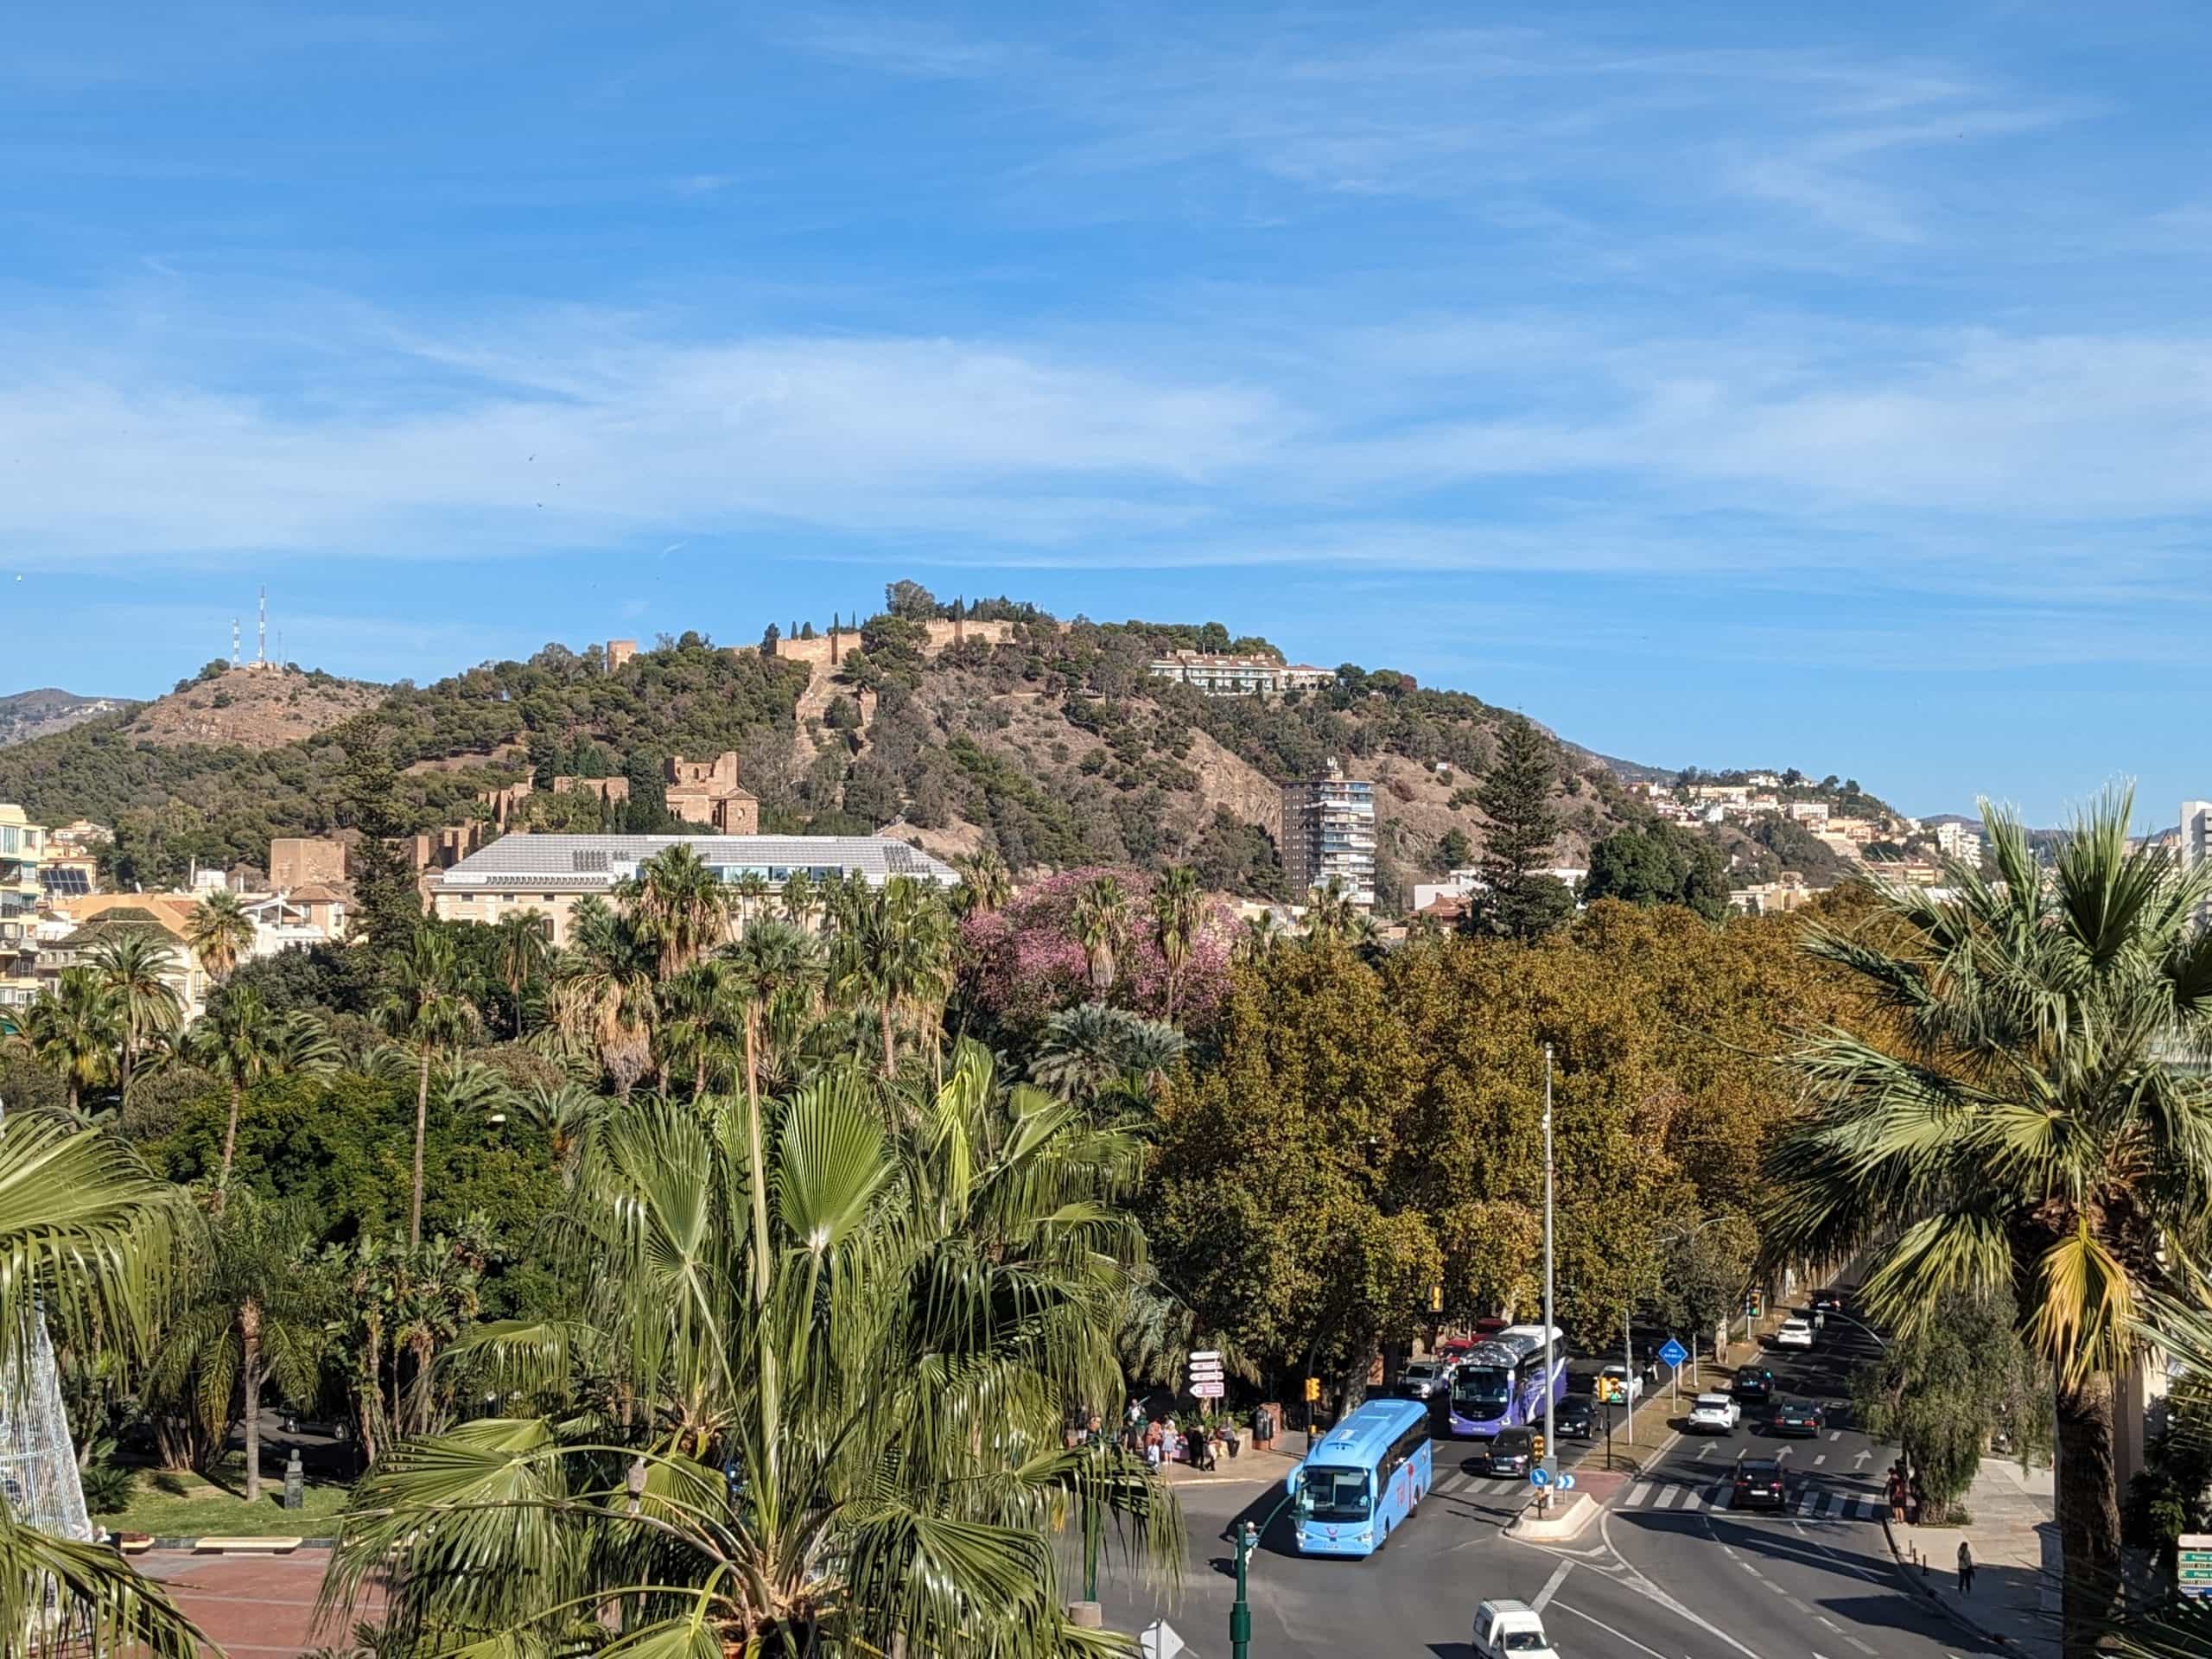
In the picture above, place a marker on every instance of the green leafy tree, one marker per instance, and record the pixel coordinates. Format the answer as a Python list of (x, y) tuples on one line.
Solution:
[(602, 1000), (428, 1008), (1659, 864), (1517, 901), (1939, 1390), (2013, 1121), (521, 946), (986, 884), (241, 1042)]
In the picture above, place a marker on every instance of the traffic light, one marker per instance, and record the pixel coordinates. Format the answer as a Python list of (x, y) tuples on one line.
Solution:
[(1539, 1448), (1312, 1390), (1436, 1298)]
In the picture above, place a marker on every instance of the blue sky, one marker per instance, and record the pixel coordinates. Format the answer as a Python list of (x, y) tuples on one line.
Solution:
[(1720, 384)]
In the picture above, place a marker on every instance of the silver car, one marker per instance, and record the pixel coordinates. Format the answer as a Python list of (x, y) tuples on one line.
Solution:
[(1423, 1378)]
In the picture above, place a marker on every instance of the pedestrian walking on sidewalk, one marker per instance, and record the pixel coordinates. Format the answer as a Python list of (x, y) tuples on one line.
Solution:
[(1966, 1569)]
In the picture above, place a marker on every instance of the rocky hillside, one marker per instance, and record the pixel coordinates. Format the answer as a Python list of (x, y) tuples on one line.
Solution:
[(250, 708), (1046, 739), (28, 715)]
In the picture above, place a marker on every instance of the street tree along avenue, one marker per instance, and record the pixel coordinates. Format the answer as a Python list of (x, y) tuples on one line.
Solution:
[(1369, 1132), (2009, 1117)]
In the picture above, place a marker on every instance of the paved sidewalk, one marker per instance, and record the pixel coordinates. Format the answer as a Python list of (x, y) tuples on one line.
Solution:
[(2009, 1586)]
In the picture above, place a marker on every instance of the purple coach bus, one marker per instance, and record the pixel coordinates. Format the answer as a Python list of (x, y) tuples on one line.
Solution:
[(1504, 1381)]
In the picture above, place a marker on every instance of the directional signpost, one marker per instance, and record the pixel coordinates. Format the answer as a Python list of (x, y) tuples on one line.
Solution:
[(1540, 1477), (1205, 1375), (1673, 1354), (2193, 1562)]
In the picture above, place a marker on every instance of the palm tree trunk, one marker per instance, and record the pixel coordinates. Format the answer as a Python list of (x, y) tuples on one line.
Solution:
[(2088, 1500), (250, 1378), (229, 1143), (757, 1163), (890, 1056), (422, 1120)]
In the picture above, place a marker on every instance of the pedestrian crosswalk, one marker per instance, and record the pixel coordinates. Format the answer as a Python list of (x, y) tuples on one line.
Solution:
[(1810, 1503)]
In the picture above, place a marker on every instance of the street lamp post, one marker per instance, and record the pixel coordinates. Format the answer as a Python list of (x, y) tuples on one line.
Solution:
[(1551, 1443), (1240, 1610)]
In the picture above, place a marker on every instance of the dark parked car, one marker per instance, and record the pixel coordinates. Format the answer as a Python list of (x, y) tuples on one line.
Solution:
[(1759, 1486), (1754, 1382), (1799, 1417), (1575, 1417), (1511, 1452)]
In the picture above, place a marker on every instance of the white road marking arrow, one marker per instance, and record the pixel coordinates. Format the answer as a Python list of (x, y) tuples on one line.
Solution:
[(1859, 1461)]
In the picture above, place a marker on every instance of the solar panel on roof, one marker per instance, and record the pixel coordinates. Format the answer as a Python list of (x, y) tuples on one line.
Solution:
[(66, 883)]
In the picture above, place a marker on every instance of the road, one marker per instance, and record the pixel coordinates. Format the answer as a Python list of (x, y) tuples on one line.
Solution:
[(1667, 1572)]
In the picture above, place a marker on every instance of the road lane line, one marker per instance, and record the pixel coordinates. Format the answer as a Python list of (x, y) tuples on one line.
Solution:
[(1551, 1585), (1857, 1643), (1618, 1635), (1821, 1458), (1830, 1623), (1834, 1434)]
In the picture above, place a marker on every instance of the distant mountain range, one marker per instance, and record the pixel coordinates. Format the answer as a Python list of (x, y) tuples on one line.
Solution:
[(27, 714)]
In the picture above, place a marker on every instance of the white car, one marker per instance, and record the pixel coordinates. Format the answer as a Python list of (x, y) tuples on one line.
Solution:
[(1511, 1627), (1715, 1414), (1423, 1378), (1795, 1333)]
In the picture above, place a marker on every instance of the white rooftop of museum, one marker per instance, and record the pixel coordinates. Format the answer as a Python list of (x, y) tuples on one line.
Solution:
[(593, 863)]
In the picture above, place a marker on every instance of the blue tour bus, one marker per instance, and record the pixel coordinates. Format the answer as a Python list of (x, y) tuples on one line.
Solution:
[(1363, 1478), (1503, 1382)]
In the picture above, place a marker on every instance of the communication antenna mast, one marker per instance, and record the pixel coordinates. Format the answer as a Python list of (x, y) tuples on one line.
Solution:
[(235, 642), (261, 647)]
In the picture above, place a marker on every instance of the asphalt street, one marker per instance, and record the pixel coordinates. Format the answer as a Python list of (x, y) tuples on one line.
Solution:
[(1667, 1572)]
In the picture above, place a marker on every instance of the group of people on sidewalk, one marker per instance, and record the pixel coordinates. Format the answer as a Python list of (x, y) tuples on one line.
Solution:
[(1201, 1442), (1906, 1501)]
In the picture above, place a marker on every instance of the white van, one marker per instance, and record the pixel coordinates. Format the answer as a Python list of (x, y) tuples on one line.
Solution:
[(1514, 1627)]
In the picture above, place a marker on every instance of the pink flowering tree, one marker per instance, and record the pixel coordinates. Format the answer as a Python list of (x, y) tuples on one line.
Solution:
[(1023, 963)]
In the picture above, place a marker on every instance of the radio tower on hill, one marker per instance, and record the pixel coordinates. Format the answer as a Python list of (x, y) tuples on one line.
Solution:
[(261, 645), (235, 642)]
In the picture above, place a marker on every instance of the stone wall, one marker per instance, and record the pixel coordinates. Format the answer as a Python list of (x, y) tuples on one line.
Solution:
[(301, 861)]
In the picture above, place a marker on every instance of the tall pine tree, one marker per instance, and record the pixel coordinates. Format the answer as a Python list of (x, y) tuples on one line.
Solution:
[(1518, 901), (388, 904)]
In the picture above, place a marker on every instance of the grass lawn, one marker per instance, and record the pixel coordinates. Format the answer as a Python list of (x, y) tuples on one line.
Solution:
[(171, 1506)]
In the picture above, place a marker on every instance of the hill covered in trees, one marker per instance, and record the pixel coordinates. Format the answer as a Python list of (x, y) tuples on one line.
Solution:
[(1050, 740)]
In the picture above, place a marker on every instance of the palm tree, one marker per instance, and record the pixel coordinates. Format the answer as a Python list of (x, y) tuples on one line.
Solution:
[(694, 1030), (521, 942), (1085, 1049), (1262, 934), (749, 894), (241, 1041), (87, 1234), (986, 884), (131, 963), (601, 1001), (1178, 908), (854, 1393), (564, 1115), (218, 931), (428, 1007), (259, 1316), (74, 1030), (680, 904), (799, 898), (2011, 1121), (894, 950), (1102, 924), (1330, 917)]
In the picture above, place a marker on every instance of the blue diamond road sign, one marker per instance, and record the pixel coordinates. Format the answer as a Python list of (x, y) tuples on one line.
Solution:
[(1539, 1478), (1674, 1353)]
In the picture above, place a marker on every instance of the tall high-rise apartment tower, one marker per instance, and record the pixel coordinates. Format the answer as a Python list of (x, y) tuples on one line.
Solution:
[(1328, 832)]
